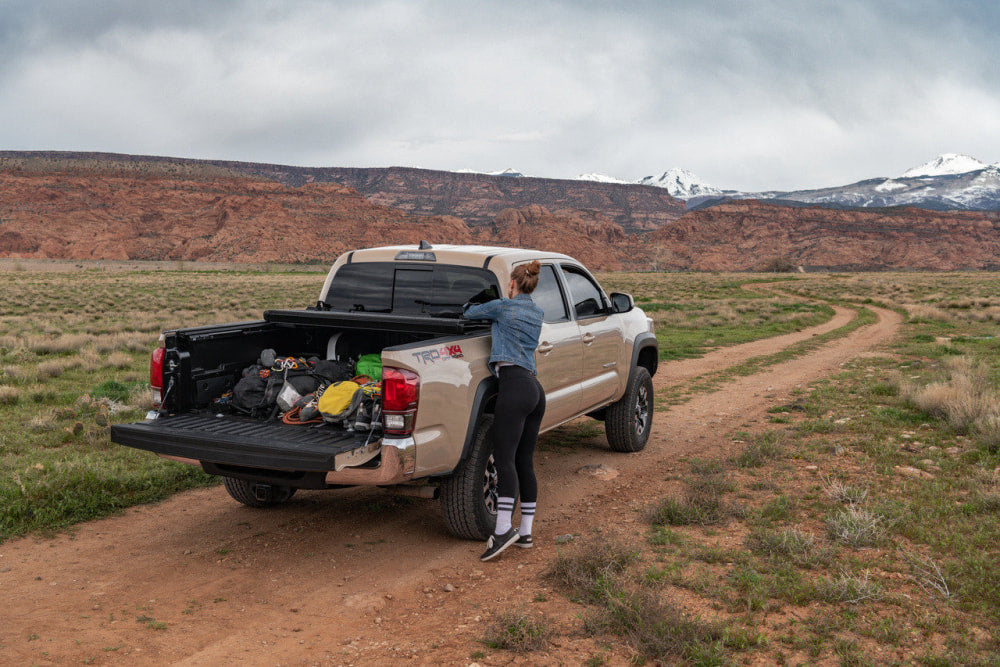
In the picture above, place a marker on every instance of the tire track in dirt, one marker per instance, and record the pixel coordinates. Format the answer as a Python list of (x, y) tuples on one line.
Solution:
[(716, 360), (354, 575)]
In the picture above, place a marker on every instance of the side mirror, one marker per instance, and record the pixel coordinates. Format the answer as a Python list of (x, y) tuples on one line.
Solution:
[(621, 302)]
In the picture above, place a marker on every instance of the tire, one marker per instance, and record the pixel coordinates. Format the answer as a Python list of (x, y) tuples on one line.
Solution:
[(469, 494), (243, 491), (630, 419)]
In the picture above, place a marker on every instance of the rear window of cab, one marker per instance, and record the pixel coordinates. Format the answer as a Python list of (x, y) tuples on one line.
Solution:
[(406, 288)]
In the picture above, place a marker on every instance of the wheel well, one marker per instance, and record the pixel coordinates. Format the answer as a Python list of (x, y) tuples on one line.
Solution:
[(648, 358)]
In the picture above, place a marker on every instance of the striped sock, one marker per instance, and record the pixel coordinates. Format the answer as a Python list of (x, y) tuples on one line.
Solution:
[(527, 517), (505, 507)]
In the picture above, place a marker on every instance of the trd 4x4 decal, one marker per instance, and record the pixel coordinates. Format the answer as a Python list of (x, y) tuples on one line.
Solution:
[(444, 352)]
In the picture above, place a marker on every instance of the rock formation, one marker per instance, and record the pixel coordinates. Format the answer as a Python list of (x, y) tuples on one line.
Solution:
[(745, 235)]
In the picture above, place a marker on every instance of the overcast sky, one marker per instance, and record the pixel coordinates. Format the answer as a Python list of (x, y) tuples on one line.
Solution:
[(748, 95)]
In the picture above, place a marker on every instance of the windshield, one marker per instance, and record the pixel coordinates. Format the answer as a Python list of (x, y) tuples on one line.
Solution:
[(406, 289)]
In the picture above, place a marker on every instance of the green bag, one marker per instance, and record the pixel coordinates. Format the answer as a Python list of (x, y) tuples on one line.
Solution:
[(370, 365)]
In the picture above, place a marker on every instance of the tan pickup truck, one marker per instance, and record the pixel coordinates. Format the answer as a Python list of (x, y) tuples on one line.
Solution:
[(596, 356)]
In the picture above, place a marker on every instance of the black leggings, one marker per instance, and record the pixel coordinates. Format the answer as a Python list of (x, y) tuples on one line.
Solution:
[(520, 406)]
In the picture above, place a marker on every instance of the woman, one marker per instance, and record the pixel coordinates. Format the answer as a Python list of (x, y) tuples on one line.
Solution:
[(516, 326)]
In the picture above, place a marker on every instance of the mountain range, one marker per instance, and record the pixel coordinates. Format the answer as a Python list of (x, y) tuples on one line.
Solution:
[(110, 206), (949, 182)]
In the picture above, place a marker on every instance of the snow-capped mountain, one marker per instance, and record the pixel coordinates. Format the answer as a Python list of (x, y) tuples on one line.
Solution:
[(945, 164), (513, 173), (681, 183), (948, 182), (600, 178)]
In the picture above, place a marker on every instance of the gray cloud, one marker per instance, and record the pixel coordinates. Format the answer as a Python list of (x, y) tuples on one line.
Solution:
[(774, 94)]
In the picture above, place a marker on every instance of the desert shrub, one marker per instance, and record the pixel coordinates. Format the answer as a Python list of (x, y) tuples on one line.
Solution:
[(698, 507), (777, 265), (858, 526), (9, 395), (118, 360), (762, 448), (141, 396), (920, 312), (660, 631), (850, 588), (587, 571), (64, 344), (842, 493), (51, 368), (783, 543), (516, 631), (966, 400)]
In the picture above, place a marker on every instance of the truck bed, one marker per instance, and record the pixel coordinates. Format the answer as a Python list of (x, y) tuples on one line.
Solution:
[(241, 441)]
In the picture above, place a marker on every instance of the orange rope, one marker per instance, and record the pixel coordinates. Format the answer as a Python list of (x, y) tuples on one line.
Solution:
[(292, 417)]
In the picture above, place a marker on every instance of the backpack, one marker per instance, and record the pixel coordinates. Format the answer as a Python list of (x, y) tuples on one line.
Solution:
[(370, 365), (250, 393), (339, 401), (331, 370)]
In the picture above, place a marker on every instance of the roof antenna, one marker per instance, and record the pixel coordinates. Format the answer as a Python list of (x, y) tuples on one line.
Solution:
[(424, 245)]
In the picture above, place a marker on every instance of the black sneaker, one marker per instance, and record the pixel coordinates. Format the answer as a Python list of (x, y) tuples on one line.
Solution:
[(498, 543), (524, 541)]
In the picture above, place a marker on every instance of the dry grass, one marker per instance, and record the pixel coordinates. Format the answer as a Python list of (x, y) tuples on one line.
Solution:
[(850, 588), (51, 368), (842, 493), (119, 360), (922, 311), (858, 527), (9, 395), (63, 344), (141, 397), (516, 631), (17, 374), (965, 399)]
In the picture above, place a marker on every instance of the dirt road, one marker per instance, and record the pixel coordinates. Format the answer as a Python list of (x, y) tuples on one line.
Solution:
[(359, 576)]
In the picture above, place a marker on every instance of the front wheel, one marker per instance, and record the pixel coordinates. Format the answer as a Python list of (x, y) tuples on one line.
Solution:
[(630, 419), (469, 494), (255, 494)]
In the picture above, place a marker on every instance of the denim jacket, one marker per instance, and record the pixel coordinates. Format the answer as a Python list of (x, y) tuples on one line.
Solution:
[(516, 326)]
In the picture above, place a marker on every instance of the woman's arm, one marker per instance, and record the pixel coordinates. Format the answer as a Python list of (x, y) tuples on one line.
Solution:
[(484, 311)]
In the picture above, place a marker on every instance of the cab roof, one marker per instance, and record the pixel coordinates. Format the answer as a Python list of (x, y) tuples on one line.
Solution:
[(463, 255)]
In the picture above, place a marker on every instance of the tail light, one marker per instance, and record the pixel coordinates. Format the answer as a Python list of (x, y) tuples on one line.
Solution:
[(400, 395), (156, 370)]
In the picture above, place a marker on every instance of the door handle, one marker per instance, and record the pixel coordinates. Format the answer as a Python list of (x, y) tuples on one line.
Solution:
[(545, 347), (588, 338)]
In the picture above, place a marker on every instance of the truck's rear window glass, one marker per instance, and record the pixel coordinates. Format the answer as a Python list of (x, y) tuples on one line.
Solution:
[(410, 289)]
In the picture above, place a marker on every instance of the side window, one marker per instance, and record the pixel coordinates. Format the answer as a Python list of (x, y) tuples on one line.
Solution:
[(548, 296), (584, 294)]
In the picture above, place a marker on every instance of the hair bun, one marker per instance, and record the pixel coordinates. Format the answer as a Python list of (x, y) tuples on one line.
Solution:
[(533, 268)]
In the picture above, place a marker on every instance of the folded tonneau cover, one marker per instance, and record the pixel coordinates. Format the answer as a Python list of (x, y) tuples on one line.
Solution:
[(376, 321), (240, 441)]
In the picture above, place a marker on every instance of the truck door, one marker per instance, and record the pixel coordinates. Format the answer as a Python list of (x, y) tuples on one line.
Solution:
[(604, 368), (559, 354)]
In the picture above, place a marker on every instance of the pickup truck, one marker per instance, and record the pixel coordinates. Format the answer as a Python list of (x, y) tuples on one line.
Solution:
[(596, 356)]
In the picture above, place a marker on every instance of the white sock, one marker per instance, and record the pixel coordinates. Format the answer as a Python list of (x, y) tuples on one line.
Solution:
[(505, 507), (527, 517)]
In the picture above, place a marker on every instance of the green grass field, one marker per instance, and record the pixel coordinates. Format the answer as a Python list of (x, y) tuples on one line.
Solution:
[(887, 553)]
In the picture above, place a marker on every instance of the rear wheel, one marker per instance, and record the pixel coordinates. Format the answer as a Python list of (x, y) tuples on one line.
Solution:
[(255, 494), (630, 419), (469, 495)]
